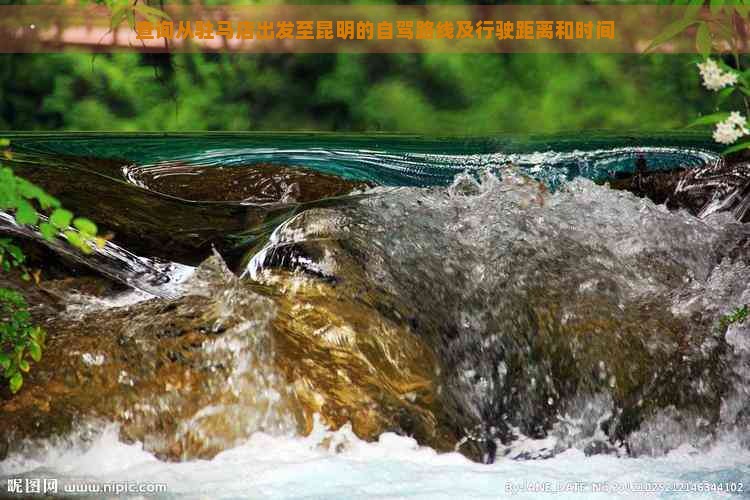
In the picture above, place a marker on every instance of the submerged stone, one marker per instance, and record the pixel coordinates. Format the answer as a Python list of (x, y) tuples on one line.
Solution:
[(153, 211), (253, 183)]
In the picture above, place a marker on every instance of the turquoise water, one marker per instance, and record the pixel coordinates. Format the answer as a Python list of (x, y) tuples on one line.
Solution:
[(390, 160)]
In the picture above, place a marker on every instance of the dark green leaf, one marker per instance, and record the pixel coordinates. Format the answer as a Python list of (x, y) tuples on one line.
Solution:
[(16, 253), (724, 94), (737, 147), (710, 119)]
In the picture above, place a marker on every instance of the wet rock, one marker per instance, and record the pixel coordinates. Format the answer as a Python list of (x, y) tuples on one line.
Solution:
[(724, 186), (530, 306), (187, 378), (194, 376), (599, 448)]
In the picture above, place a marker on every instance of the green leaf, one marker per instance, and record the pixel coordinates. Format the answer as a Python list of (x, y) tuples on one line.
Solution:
[(693, 9), (16, 253), (118, 15), (37, 335), (131, 18), (736, 147), (48, 230), (15, 383), (150, 12), (61, 218), (716, 6), (24, 365), (18, 353), (35, 350), (710, 119), (26, 214), (75, 239), (46, 201), (670, 32), (4, 143), (726, 93), (703, 40), (8, 191), (4, 361), (85, 226)]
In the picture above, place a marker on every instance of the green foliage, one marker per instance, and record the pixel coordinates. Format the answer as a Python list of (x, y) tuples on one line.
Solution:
[(10, 255), (721, 29), (25, 199), (720, 26), (20, 341), (710, 119), (122, 10), (417, 93), (739, 315)]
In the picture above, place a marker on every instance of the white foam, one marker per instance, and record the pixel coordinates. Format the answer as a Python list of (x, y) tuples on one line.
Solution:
[(339, 465)]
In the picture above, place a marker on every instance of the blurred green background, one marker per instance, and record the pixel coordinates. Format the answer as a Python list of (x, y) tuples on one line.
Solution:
[(423, 93), (426, 93)]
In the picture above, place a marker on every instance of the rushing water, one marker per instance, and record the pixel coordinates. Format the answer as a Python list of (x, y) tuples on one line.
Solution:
[(500, 254)]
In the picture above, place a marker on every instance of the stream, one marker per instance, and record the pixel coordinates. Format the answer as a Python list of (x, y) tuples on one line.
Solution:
[(376, 316)]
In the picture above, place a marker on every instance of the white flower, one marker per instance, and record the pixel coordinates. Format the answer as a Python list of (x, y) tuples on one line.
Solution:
[(731, 129), (714, 78)]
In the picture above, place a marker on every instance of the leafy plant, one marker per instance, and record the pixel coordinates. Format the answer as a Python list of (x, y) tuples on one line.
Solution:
[(27, 200), (125, 10), (20, 341), (739, 315), (709, 30), (717, 27)]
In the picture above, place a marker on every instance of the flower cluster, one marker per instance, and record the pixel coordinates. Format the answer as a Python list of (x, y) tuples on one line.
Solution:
[(731, 129), (714, 78)]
